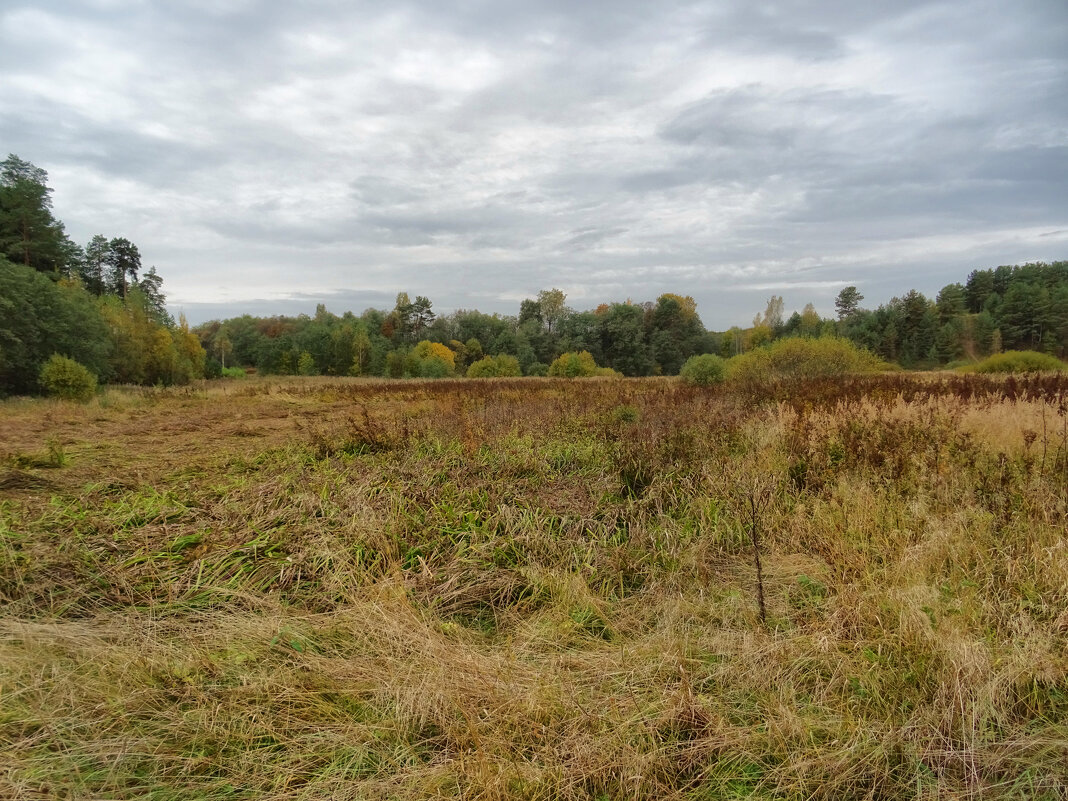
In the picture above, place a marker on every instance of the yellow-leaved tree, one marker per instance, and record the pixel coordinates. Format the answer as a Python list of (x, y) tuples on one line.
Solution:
[(432, 360)]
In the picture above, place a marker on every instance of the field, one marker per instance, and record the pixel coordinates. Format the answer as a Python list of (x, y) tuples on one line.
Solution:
[(537, 589)]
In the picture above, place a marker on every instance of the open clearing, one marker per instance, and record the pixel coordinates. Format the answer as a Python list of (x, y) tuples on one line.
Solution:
[(537, 589)]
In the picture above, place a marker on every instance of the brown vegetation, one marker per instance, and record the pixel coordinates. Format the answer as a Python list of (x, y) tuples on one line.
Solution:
[(537, 589)]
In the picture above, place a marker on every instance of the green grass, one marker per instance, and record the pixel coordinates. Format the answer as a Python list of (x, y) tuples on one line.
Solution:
[(516, 589)]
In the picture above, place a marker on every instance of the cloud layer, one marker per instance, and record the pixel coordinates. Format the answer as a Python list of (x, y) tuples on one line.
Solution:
[(269, 155)]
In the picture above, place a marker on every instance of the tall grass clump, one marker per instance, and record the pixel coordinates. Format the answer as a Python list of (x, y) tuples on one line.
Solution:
[(1019, 361), (800, 358), (62, 377), (704, 370)]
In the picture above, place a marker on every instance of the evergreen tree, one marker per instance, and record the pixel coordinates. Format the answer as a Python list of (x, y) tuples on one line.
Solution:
[(919, 325), (848, 302), (29, 234), (151, 286), (981, 334), (123, 263), (950, 302), (979, 287), (94, 265), (1020, 317)]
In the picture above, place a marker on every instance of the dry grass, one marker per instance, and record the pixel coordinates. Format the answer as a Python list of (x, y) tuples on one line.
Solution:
[(536, 589)]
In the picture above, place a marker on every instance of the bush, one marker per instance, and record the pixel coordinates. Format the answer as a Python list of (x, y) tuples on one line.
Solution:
[(306, 364), (233, 372), (432, 360), (65, 378), (1019, 361), (704, 370), (502, 366), (396, 363), (799, 357), (434, 368), (573, 365)]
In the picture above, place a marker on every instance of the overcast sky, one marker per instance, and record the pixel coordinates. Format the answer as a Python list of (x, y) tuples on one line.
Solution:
[(266, 156)]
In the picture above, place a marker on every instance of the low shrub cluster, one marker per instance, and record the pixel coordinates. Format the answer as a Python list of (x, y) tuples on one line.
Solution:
[(802, 358), (432, 360), (704, 370), (573, 365), (502, 366), (65, 378), (1019, 361)]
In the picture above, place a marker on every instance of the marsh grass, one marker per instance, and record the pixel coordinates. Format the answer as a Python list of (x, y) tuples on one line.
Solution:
[(312, 588)]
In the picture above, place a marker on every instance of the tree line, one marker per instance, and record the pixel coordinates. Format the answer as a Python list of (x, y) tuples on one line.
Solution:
[(96, 305), (412, 340), (1023, 307), (1007, 308), (92, 304), (1019, 307)]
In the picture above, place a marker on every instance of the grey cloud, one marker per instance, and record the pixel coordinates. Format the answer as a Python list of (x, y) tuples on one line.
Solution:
[(588, 237), (756, 118), (299, 303), (380, 190), (617, 147), (1030, 166), (267, 227), (760, 27)]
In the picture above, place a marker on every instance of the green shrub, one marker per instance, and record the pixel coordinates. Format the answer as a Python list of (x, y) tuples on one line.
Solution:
[(573, 365), (704, 370), (502, 366), (607, 372), (434, 368), (306, 364), (802, 357), (65, 378), (431, 360), (1018, 361), (233, 372), (396, 363)]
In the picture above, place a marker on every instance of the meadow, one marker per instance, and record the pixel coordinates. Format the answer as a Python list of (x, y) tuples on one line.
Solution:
[(537, 589)]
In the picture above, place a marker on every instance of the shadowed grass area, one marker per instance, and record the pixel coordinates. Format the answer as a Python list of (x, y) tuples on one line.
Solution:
[(538, 589)]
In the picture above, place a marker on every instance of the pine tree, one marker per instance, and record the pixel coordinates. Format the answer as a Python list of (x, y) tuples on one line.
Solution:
[(29, 234)]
